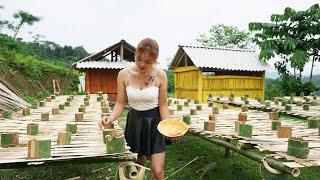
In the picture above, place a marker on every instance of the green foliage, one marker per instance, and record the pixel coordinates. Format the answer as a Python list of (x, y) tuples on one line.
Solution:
[(170, 81), (46, 51), (283, 86), (226, 36), (23, 17), (292, 35), (308, 88)]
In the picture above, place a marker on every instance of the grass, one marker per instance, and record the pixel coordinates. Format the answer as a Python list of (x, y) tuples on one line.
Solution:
[(177, 155)]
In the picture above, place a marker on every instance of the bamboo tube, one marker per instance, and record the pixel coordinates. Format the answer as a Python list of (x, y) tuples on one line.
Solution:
[(199, 107), (48, 99), (103, 103), (242, 117), (288, 108), (45, 116), (186, 103), (237, 125), (284, 132), (171, 111), (81, 109), (176, 102), (246, 102), (193, 111), (99, 98), (212, 117), (215, 110), (105, 133), (53, 97), (61, 106), (245, 130), (67, 103), (105, 109), (130, 171), (42, 104), (86, 103), (313, 123), (306, 107), (179, 107), (209, 125), (273, 115), (34, 106), (196, 101), (245, 146), (115, 142), (86, 99), (186, 119), (64, 138), (314, 103), (78, 117), (244, 108), (71, 127), (6, 114), (9, 139), (275, 125), (26, 111), (231, 99), (298, 148), (210, 104), (206, 169), (267, 103), (32, 129), (225, 106), (38, 149), (299, 103), (55, 111)]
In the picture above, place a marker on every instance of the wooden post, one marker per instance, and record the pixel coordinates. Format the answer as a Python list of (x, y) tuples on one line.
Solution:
[(199, 107), (48, 99), (227, 151), (34, 106), (299, 103), (273, 115), (212, 117), (86, 103), (67, 103), (193, 112)]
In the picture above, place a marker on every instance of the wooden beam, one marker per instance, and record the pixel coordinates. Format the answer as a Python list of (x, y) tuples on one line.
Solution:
[(121, 52)]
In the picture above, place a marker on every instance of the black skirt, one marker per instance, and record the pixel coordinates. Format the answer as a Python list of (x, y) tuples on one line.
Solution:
[(141, 132)]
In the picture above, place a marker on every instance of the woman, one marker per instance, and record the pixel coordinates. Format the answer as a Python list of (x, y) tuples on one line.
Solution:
[(144, 86)]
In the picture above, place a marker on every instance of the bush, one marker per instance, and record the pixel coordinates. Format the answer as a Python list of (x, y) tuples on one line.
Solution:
[(308, 88)]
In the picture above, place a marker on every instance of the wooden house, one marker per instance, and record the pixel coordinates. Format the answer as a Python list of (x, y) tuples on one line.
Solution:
[(200, 71), (101, 69)]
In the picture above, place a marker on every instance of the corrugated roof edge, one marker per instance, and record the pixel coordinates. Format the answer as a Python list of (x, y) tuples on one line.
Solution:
[(219, 48)]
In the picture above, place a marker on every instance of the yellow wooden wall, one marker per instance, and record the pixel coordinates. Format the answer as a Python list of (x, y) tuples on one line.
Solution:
[(186, 82), (189, 83)]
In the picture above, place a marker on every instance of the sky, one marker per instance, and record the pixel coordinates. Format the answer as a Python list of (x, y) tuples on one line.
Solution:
[(97, 24)]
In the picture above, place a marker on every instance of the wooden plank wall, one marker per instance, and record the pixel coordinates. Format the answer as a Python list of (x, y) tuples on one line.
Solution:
[(187, 84), (102, 80)]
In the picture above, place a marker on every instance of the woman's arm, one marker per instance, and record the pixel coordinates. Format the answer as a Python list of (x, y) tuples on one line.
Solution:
[(163, 95), (121, 99)]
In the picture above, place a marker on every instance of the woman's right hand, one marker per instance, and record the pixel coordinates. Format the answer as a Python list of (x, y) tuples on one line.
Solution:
[(105, 122)]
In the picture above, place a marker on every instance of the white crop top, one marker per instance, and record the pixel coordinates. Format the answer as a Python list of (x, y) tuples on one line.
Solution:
[(144, 99)]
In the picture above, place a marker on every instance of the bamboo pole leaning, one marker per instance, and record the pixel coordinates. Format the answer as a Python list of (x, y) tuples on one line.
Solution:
[(256, 157)]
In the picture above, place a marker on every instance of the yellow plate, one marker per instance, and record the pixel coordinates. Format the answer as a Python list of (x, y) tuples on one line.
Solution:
[(172, 127)]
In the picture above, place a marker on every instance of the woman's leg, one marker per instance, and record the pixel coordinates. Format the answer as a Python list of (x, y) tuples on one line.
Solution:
[(157, 165)]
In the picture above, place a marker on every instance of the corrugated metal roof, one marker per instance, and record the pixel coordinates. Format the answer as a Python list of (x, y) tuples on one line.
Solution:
[(103, 65), (224, 58)]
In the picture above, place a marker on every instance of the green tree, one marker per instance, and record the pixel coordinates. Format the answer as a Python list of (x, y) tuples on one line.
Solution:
[(2, 22), (293, 35), (23, 17), (226, 36)]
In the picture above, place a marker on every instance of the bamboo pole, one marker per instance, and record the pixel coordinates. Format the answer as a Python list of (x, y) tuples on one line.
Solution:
[(256, 157)]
